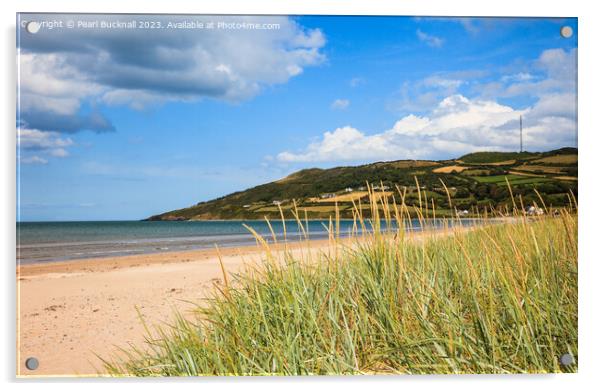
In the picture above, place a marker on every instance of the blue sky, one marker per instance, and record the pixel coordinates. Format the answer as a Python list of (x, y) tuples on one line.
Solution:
[(126, 123)]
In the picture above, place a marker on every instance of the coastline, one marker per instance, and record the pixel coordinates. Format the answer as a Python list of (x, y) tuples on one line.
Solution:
[(49, 243), (58, 303), (104, 264)]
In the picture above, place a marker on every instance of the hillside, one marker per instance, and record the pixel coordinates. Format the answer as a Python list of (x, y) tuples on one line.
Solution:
[(476, 181)]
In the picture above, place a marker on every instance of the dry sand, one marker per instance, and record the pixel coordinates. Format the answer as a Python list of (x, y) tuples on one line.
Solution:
[(70, 311)]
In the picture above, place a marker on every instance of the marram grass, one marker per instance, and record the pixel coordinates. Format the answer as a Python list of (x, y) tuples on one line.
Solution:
[(499, 298)]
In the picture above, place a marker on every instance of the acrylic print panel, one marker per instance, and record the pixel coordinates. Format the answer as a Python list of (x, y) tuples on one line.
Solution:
[(296, 195)]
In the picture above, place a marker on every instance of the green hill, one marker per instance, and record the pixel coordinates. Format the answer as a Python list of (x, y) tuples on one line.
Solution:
[(476, 181), (496, 157)]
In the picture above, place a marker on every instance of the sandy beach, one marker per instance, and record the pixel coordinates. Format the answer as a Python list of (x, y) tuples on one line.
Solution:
[(69, 312)]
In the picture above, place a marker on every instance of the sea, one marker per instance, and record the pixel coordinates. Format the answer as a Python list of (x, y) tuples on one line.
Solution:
[(59, 241)]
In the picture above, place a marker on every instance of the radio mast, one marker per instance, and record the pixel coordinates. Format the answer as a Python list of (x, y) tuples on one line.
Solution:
[(521, 133)]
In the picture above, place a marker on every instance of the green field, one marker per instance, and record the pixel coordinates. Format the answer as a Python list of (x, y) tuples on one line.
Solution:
[(513, 179)]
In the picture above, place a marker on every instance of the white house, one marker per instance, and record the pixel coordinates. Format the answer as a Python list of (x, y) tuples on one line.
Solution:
[(534, 211)]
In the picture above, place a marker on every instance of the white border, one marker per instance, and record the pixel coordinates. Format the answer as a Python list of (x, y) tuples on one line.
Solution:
[(590, 152)]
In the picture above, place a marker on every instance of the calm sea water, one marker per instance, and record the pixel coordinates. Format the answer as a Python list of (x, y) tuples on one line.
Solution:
[(52, 241)]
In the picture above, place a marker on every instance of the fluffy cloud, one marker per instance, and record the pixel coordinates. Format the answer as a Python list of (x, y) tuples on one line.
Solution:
[(439, 120), (554, 71), (342, 144), (422, 95), (50, 95), (34, 142), (457, 125), (47, 81), (51, 121), (340, 104), (65, 76), (141, 65)]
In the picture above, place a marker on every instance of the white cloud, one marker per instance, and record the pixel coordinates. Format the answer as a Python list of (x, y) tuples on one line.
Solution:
[(556, 73), (424, 94), (549, 82), (47, 82), (59, 71), (556, 105), (138, 68), (346, 143), (559, 64), (457, 125), (41, 142), (340, 104), (430, 40)]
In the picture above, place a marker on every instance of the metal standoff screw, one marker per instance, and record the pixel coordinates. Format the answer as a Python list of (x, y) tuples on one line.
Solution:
[(32, 363), (32, 27), (566, 32), (566, 359)]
